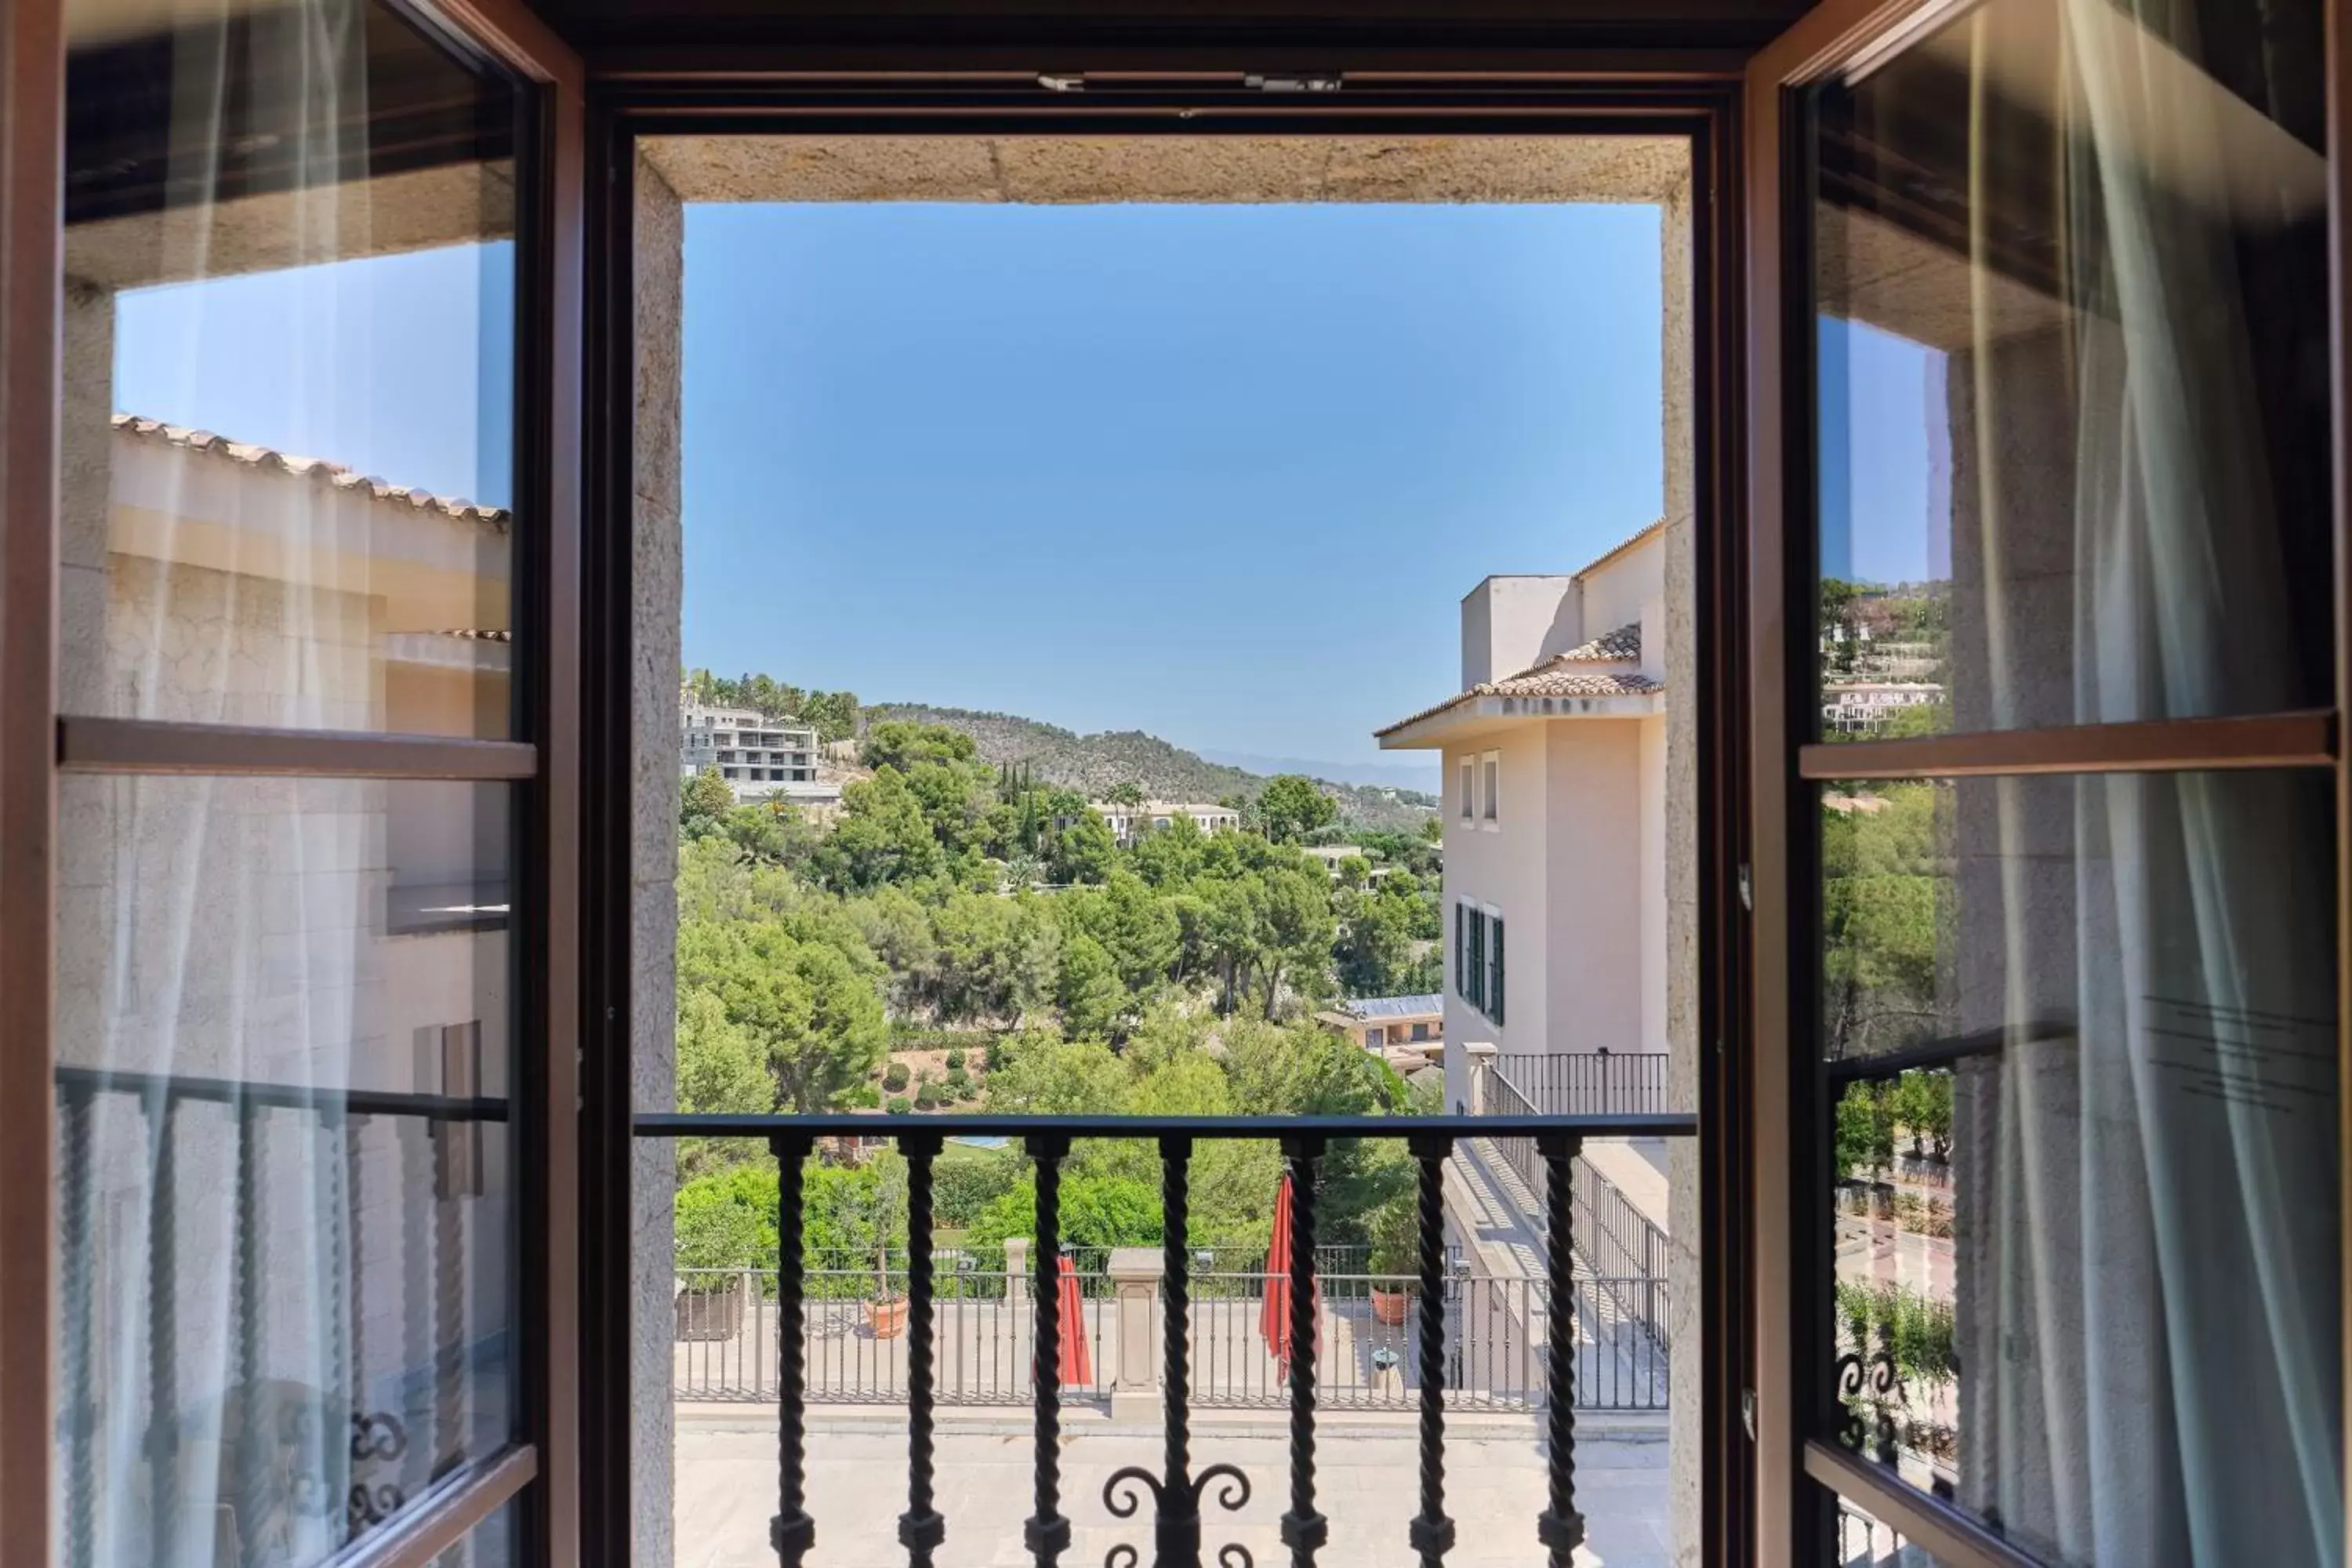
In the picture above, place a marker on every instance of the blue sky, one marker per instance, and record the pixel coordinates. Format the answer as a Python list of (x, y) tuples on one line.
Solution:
[(1218, 473)]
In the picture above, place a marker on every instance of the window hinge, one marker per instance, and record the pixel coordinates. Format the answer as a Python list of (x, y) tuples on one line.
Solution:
[(1746, 890), (1312, 81), (1748, 1412)]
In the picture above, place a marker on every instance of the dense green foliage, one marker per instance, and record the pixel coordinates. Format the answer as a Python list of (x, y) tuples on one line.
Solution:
[(963, 908)]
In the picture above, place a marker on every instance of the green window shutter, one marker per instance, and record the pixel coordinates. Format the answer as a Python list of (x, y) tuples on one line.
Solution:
[(1461, 950), (1478, 959), (1494, 1001)]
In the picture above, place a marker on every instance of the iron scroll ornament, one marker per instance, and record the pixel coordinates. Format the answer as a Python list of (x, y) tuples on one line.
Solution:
[(1179, 1507)]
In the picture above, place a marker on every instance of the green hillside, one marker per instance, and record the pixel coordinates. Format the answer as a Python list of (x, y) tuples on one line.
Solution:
[(1093, 763)]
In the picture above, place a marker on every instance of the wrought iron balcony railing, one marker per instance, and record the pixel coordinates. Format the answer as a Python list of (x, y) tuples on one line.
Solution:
[(1180, 1489)]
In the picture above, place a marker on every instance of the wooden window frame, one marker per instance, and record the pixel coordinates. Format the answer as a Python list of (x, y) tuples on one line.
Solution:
[(539, 1471), (1156, 90), (1786, 758)]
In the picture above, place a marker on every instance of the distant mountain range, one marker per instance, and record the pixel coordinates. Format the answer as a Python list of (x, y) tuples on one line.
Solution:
[(1421, 776), (1097, 762)]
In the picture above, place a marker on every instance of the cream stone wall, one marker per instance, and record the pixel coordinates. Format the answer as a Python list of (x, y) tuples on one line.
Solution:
[(1503, 867), (658, 603), (1591, 873)]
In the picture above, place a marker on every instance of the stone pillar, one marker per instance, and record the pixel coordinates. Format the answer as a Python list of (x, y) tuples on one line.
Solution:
[(1678, 392), (1135, 1278), (1016, 1268), (657, 604), (1480, 1056)]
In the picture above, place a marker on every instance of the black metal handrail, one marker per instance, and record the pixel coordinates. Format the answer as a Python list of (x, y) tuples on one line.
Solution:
[(1178, 1490)]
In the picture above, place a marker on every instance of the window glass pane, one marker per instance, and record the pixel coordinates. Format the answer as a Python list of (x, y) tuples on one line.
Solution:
[(1861, 1540), (288, 400), (2079, 1038), (2071, 263), (304, 1304)]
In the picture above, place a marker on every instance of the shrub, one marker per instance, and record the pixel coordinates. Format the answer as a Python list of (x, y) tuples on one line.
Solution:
[(961, 1187), (894, 1076), (724, 1220), (927, 1094), (899, 1106), (1395, 1238), (956, 1061), (861, 1097), (959, 1083)]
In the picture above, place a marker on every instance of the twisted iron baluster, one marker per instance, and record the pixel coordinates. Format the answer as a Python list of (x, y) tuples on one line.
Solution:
[(1559, 1527), (252, 1454), (792, 1532), (335, 1448), (1178, 1534), (920, 1527), (1047, 1533), (74, 1252), (1304, 1530), (1432, 1532), (162, 1331)]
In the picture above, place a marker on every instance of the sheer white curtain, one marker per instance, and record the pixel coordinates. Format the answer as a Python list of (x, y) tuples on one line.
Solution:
[(2149, 1314), (218, 929)]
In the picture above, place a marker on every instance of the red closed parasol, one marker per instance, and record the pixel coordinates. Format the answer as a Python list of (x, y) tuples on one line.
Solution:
[(1274, 1316), (1075, 1365)]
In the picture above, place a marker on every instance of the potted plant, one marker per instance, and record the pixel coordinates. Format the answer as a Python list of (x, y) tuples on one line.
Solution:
[(1395, 1259), (717, 1239), (886, 1311)]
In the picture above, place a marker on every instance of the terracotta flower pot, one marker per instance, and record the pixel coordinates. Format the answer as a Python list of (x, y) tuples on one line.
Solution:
[(1389, 1307), (886, 1318)]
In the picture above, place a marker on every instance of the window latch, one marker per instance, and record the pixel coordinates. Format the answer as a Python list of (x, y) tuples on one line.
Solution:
[(1062, 81), (1746, 890), (1748, 1412)]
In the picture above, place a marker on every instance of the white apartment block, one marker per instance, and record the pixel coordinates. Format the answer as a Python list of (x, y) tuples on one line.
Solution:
[(1865, 706), (1555, 806), (1127, 822), (758, 757)]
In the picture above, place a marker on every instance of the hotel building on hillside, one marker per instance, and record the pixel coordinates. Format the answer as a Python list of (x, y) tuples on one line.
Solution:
[(1555, 808)]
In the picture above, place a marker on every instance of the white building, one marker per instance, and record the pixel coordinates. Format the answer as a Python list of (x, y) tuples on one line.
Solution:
[(758, 757), (1126, 822), (1555, 803), (1865, 706)]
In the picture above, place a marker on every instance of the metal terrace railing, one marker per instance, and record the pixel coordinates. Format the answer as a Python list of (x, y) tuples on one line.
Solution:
[(726, 1349), (327, 1393), (1178, 1489), (1588, 1083), (1616, 1240)]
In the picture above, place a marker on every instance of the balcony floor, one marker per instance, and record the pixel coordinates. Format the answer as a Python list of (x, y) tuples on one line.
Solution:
[(1367, 1483)]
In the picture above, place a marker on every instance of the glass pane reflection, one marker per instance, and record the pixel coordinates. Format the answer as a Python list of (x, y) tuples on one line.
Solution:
[(2079, 1039), (289, 373), (2074, 431)]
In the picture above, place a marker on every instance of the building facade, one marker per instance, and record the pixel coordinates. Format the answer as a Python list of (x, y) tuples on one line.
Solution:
[(1555, 753), (1128, 822), (760, 757)]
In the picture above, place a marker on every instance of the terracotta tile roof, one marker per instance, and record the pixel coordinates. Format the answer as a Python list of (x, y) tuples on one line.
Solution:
[(1554, 677), (1623, 645), (317, 469)]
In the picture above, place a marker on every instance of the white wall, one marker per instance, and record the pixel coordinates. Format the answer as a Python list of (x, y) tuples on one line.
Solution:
[(1615, 592), (1510, 623), (1590, 876), (1502, 866), (1653, 871)]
